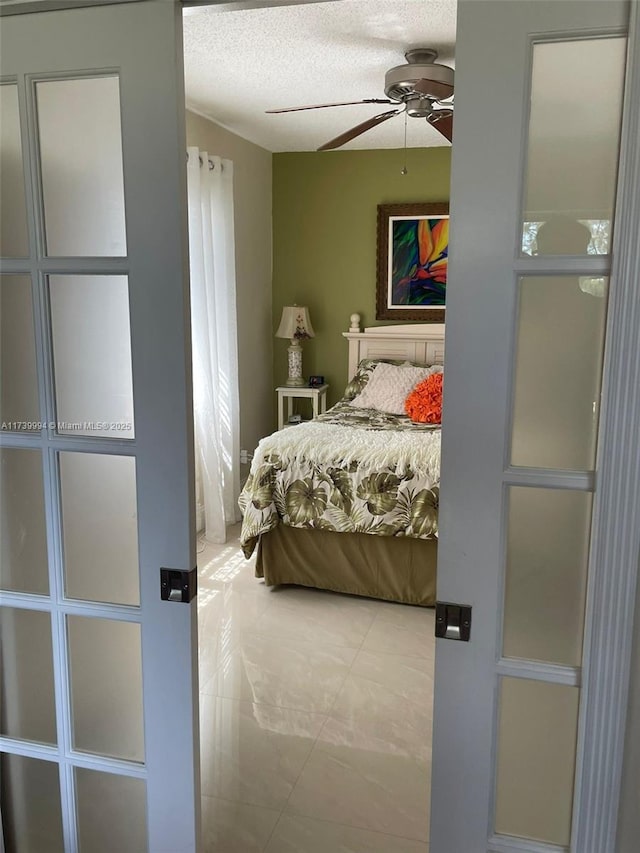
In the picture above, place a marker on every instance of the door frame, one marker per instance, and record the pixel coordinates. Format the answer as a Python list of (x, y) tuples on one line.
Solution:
[(615, 546), (23, 7), (616, 534), (615, 543)]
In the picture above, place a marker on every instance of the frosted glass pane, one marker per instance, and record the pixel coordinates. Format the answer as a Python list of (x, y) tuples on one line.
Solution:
[(112, 812), (536, 759), (558, 373), (30, 805), (13, 211), (562, 235), (99, 525), (23, 542), (81, 157), (547, 553), (27, 706), (574, 130), (19, 409), (92, 355), (106, 687)]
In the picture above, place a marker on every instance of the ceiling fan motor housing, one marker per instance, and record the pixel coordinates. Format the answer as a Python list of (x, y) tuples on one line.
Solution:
[(400, 82), (418, 107)]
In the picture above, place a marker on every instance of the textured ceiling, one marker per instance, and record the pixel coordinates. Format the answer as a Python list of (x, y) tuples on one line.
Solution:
[(240, 63)]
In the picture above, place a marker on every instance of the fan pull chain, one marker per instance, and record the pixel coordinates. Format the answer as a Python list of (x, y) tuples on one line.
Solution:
[(404, 170)]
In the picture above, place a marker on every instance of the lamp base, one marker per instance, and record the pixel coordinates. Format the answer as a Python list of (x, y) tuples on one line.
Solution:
[(294, 361)]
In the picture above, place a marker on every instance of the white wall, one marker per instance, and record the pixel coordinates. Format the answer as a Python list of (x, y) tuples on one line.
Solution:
[(252, 204)]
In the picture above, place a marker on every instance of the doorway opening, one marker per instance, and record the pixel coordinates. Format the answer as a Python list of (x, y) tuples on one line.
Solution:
[(316, 705)]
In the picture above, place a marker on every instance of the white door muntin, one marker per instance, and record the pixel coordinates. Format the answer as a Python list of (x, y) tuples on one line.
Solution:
[(88, 42), (493, 55)]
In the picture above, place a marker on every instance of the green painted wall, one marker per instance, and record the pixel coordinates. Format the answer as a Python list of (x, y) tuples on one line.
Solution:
[(324, 240)]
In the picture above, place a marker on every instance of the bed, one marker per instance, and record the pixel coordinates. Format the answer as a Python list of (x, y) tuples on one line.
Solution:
[(349, 501)]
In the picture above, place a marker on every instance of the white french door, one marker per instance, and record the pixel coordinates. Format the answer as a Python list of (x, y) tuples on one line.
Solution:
[(99, 714), (541, 449)]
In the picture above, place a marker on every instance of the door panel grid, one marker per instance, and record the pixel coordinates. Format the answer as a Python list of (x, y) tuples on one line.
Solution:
[(106, 46), (571, 421), (491, 177)]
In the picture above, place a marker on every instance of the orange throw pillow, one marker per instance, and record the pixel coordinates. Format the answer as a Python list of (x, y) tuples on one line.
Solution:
[(424, 403)]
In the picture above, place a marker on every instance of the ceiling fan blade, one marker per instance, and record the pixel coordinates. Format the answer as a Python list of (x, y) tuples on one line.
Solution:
[(443, 123), (339, 104), (348, 135), (435, 88)]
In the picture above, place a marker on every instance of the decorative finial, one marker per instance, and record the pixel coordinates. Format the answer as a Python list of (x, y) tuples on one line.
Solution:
[(354, 319)]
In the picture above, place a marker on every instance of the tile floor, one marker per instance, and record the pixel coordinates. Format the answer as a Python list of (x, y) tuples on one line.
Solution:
[(315, 716)]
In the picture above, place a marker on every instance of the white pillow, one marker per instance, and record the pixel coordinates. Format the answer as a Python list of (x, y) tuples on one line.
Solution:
[(390, 385)]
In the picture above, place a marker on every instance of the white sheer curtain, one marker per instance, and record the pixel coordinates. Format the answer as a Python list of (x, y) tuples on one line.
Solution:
[(214, 342)]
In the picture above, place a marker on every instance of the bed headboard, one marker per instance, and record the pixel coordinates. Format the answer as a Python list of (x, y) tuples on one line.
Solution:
[(422, 343)]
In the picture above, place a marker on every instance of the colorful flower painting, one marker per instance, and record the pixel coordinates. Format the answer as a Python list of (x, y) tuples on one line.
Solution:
[(413, 256), (419, 255)]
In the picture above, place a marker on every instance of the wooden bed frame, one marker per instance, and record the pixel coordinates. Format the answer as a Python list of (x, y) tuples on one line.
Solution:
[(422, 343), (397, 569)]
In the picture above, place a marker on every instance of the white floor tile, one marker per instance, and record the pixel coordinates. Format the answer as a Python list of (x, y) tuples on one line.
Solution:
[(359, 779), (409, 616), (405, 677), (314, 703), (407, 633), (253, 753), (229, 827), (387, 698), (316, 617), (295, 834), (223, 615), (224, 566), (236, 572), (275, 672)]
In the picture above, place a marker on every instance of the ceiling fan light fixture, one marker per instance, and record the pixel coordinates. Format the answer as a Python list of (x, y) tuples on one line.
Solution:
[(419, 106)]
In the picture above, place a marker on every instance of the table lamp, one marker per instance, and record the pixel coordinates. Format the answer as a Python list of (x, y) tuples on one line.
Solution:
[(295, 325)]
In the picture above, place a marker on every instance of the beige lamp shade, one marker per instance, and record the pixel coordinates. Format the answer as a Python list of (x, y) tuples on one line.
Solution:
[(295, 323)]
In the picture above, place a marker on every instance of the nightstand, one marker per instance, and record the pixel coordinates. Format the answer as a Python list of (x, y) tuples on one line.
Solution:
[(318, 396)]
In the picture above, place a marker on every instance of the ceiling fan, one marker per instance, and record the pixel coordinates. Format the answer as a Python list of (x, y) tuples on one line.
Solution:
[(418, 88)]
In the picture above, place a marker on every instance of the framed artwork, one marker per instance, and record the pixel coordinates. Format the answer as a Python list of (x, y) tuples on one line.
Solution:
[(413, 255)]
